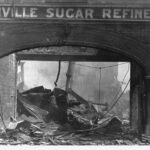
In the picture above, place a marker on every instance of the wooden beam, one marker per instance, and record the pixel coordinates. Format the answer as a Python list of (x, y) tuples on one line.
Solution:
[(69, 75), (101, 56)]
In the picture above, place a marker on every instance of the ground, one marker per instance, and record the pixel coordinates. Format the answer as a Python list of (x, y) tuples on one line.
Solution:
[(56, 134)]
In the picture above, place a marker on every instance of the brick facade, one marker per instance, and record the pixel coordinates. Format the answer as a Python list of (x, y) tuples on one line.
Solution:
[(7, 86)]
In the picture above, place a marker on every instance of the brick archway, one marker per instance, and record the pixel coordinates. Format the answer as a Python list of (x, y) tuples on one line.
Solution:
[(20, 36), (15, 37)]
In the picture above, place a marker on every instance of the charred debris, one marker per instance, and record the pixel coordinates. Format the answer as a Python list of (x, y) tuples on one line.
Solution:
[(58, 117)]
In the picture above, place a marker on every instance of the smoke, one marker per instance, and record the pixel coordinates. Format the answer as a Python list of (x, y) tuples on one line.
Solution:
[(37, 73), (44, 73)]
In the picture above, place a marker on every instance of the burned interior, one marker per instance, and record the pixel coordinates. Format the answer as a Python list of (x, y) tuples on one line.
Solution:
[(64, 102)]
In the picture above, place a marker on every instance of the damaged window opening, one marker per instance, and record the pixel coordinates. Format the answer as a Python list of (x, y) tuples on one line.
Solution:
[(88, 97), (58, 99)]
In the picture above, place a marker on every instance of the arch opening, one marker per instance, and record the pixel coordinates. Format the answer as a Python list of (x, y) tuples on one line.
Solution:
[(85, 57), (95, 80), (90, 87)]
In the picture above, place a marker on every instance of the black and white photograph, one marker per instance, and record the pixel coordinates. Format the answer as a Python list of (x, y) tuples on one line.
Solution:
[(74, 73)]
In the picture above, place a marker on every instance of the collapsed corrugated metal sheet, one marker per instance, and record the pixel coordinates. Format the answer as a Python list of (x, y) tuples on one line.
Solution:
[(63, 122)]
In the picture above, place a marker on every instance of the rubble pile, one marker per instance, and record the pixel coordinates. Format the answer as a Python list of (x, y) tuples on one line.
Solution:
[(48, 117)]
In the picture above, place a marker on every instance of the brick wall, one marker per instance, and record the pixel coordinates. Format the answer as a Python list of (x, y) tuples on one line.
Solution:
[(7, 87)]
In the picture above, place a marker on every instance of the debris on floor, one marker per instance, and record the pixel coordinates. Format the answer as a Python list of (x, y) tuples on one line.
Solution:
[(47, 117)]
